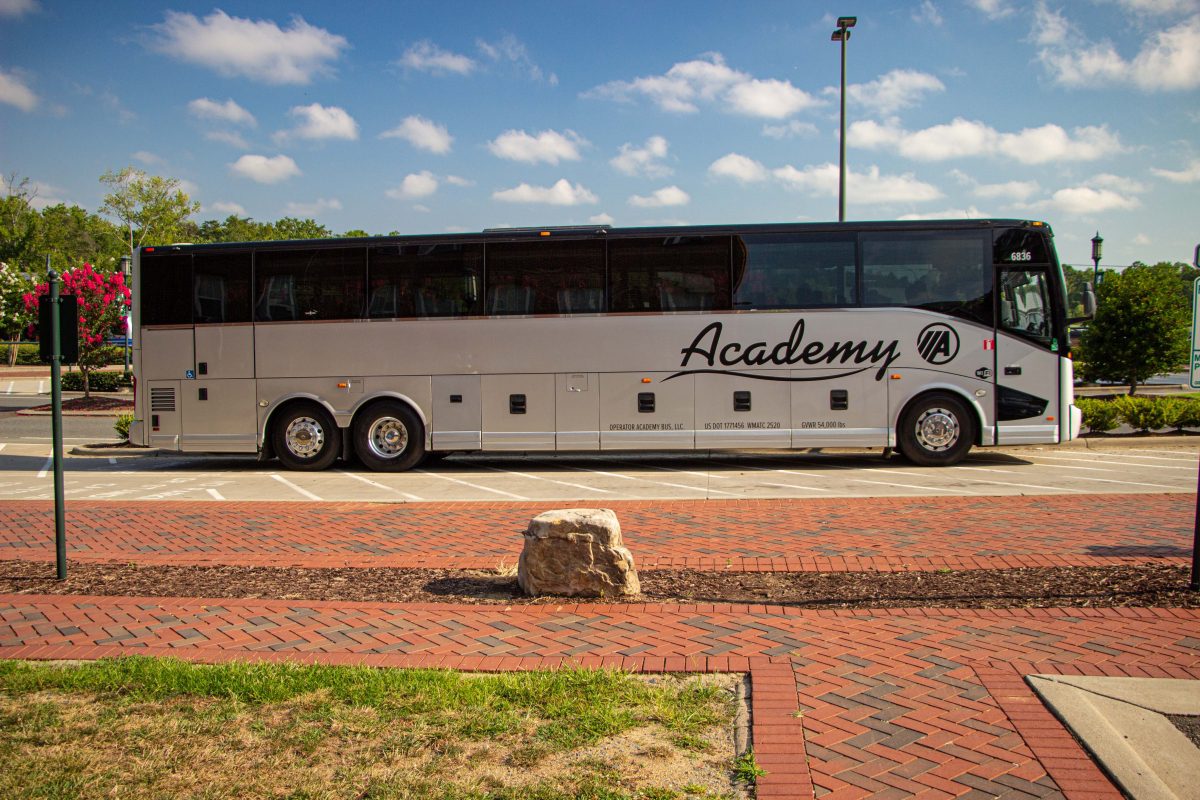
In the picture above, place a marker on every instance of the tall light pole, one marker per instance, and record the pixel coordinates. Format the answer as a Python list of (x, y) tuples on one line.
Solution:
[(128, 273), (842, 34), (1097, 249)]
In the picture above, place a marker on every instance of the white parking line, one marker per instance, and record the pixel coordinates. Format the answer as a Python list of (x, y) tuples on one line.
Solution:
[(911, 486), (1178, 456), (650, 482), (548, 480), (215, 494), (1113, 463), (294, 487), (789, 485), (378, 485), (47, 466), (1128, 483), (472, 485), (9, 389)]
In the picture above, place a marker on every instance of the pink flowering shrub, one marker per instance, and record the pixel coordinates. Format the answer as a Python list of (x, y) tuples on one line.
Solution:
[(103, 299)]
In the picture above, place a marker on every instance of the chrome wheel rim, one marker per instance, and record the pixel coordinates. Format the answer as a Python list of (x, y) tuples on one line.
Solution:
[(304, 437), (388, 437), (937, 429)]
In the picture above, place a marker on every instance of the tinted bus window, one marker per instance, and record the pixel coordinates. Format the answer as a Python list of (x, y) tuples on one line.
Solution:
[(671, 273), (221, 287), (309, 284), (540, 277), (790, 271), (164, 281), (431, 280), (945, 272)]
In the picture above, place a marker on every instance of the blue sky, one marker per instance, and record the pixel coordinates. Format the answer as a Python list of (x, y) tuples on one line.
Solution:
[(433, 117)]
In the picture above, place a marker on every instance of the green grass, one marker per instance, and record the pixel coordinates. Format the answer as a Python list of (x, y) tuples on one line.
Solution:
[(164, 728)]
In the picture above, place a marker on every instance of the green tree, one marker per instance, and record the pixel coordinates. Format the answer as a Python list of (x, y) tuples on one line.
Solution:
[(292, 228), (18, 224), (1142, 326), (151, 209), (71, 235)]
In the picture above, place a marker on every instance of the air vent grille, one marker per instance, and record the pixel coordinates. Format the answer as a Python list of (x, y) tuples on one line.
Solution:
[(162, 399)]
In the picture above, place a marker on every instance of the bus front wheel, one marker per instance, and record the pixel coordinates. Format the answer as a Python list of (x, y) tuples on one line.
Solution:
[(936, 430), (389, 437), (306, 438)]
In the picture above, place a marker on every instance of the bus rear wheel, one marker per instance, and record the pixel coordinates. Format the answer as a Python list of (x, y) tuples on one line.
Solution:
[(936, 430), (306, 438), (389, 437)]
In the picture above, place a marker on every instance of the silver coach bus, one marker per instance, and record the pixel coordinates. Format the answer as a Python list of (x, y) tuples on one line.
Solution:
[(929, 337)]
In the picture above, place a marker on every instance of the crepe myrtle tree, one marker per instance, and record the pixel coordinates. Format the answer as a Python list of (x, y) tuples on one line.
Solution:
[(103, 300), (14, 315)]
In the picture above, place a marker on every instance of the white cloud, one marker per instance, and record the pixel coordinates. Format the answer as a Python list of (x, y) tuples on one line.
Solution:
[(928, 14), (790, 129), (661, 198), (1160, 6), (601, 219), (43, 195), (1013, 191), (262, 169), (231, 138), (967, 138), (548, 146), (970, 212), (1142, 239), (709, 79), (422, 134), (1189, 174), (417, 184), (645, 160), (1117, 183), (1082, 200), (227, 208), (314, 209), (862, 188), (739, 167), (994, 9), (1169, 60), (229, 111), (16, 8), (259, 50), (772, 98), (321, 122), (425, 56), (562, 193), (456, 180), (513, 51), (14, 92), (887, 94), (149, 159)]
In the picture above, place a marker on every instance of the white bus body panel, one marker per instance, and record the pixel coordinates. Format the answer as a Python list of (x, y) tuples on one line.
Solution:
[(720, 422), (518, 412), (577, 411)]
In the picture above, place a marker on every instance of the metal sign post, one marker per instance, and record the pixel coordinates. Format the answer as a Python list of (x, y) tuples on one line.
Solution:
[(1194, 584), (60, 512)]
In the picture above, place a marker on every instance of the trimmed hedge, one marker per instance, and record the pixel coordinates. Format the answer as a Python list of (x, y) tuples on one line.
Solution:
[(99, 381), (29, 355), (1140, 413)]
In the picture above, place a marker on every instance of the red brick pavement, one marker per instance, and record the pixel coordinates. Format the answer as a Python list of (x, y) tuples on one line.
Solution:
[(889, 703), (900, 703), (788, 535)]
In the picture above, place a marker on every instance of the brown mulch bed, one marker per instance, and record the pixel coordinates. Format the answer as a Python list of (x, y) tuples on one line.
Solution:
[(90, 404), (1097, 587)]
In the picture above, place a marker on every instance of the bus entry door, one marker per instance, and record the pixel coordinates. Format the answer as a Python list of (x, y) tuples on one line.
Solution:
[(1027, 355)]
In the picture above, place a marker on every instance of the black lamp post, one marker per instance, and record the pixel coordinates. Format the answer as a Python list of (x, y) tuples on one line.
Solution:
[(842, 34), (1097, 249)]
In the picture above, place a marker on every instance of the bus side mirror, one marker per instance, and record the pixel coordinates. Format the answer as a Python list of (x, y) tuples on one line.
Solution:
[(1089, 301)]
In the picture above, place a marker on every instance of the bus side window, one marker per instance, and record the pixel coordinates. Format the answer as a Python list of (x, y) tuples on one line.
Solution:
[(795, 271), (671, 273)]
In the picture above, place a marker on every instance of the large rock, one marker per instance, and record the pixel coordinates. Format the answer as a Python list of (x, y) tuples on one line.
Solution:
[(576, 552)]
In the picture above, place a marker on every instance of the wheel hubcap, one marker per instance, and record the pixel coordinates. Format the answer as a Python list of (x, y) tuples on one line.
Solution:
[(304, 437), (937, 429), (388, 437)]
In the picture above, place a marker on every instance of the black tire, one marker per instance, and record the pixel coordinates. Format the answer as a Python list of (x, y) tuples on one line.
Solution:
[(305, 438), (936, 430), (389, 437)]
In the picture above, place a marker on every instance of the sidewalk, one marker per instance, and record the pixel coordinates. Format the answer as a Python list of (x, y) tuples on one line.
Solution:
[(880, 703)]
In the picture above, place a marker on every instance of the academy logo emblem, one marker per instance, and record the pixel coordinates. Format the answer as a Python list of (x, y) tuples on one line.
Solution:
[(937, 343)]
